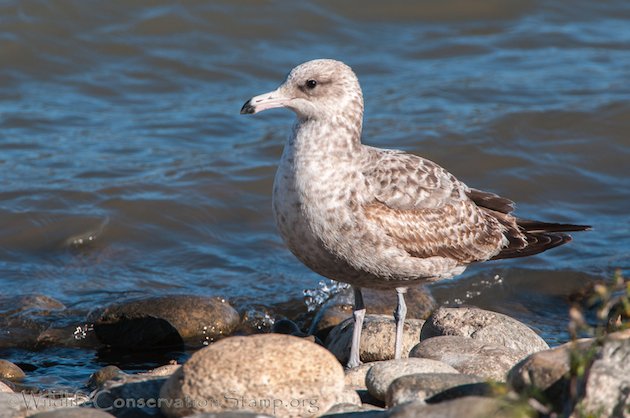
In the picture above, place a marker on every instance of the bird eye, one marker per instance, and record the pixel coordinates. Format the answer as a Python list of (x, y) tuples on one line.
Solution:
[(311, 84)]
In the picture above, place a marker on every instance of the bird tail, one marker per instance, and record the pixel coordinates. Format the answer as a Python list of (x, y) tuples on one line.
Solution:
[(534, 237)]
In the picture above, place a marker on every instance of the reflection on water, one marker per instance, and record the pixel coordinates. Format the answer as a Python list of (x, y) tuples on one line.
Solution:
[(127, 170)]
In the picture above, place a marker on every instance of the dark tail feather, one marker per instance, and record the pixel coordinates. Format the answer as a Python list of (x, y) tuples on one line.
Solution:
[(534, 237)]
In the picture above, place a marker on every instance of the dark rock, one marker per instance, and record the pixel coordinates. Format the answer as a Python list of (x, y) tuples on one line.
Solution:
[(420, 304), (377, 338), (237, 372), (10, 371), (24, 318), (383, 373), (485, 326), (420, 387), (129, 396), (166, 321), (469, 356)]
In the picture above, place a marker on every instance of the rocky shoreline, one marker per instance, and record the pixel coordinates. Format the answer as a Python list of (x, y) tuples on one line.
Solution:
[(457, 362)]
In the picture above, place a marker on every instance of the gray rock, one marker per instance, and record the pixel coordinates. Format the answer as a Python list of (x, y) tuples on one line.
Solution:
[(10, 371), (20, 405), (485, 326), (469, 356), (469, 407), (420, 387), (72, 413), (383, 373), (229, 414), (166, 370), (355, 377), (103, 375), (354, 411), (276, 374), (377, 338), (166, 321), (420, 304), (129, 396)]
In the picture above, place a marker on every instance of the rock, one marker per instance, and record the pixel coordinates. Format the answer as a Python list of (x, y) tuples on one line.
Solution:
[(383, 373), (485, 326), (469, 356), (20, 405), (72, 413), (102, 375), (166, 321), (420, 304), (420, 387), (355, 377), (4, 388), (377, 338), (275, 374), (10, 371), (469, 407), (166, 370), (354, 411), (23, 318), (129, 395), (229, 414), (348, 396), (607, 387), (604, 388)]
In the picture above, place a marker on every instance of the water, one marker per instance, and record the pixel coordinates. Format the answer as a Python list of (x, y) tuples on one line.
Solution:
[(126, 169)]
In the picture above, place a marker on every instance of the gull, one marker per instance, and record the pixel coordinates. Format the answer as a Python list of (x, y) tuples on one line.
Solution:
[(379, 218)]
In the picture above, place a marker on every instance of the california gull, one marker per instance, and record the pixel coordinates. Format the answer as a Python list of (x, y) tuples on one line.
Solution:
[(379, 218)]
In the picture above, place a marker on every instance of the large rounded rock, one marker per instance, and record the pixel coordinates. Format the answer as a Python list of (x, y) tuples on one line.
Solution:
[(469, 356), (383, 373), (275, 374), (10, 371), (377, 338), (420, 387), (485, 326), (166, 321), (420, 304)]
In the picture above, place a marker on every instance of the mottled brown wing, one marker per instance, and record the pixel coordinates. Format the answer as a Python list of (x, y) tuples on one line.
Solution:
[(406, 181), (458, 231)]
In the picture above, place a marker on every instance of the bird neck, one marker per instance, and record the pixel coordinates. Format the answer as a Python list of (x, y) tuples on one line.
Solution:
[(331, 135)]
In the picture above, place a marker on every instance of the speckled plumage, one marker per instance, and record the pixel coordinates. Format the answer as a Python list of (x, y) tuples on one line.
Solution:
[(373, 217)]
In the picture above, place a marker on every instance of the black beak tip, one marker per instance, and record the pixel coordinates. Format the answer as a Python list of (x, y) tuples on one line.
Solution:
[(247, 108)]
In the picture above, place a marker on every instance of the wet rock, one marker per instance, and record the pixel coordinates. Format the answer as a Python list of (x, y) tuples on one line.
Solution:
[(377, 338), (605, 388), (469, 407), (355, 377), (166, 321), (354, 411), (72, 335), (275, 374), (103, 375), (485, 326), (166, 370), (383, 373), (420, 387), (420, 304), (10, 371), (469, 356), (24, 318), (72, 413), (128, 395)]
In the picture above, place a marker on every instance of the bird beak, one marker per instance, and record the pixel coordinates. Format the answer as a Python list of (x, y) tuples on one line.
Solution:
[(264, 101)]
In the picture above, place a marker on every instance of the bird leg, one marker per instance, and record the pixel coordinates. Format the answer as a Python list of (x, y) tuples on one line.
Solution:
[(399, 316), (359, 314)]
